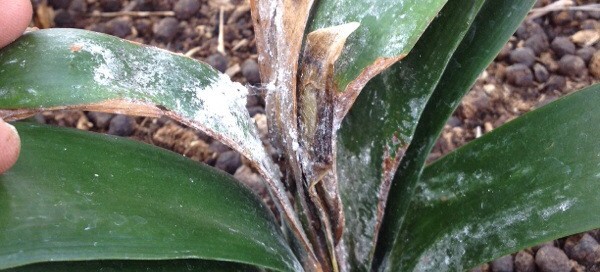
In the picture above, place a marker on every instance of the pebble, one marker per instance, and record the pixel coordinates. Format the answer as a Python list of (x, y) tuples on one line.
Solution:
[(590, 24), (155, 4), (218, 62), (595, 64), (503, 264), (571, 65), (561, 18), (219, 147), (121, 125), (563, 46), (250, 71), (251, 179), (454, 121), (540, 72), (63, 18), (261, 123), (504, 52), (586, 37), (229, 161), (101, 120), (184, 9), (166, 29), (537, 247), (519, 75), (78, 6), (523, 55), (143, 26), (555, 83), (110, 5), (254, 100), (99, 27), (40, 118), (552, 259), (528, 29), (538, 42), (586, 53), (586, 251), (581, 15), (524, 262), (576, 267), (554, 32), (120, 27), (548, 60), (256, 110), (59, 4), (595, 233)]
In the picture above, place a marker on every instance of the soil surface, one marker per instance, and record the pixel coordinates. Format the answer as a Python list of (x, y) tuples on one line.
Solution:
[(548, 57)]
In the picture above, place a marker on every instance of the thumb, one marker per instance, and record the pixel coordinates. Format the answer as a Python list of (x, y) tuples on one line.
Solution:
[(10, 146), (14, 18)]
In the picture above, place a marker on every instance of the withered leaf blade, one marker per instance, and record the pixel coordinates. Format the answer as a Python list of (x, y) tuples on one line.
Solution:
[(77, 69), (279, 27), (317, 135), (279, 30)]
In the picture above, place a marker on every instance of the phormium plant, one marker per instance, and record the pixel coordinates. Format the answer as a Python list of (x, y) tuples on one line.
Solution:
[(357, 93)]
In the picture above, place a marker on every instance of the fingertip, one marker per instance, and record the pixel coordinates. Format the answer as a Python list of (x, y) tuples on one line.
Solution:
[(15, 16), (10, 146)]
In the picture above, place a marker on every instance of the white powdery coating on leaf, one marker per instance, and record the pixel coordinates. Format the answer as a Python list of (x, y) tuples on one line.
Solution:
[(219, 106), (360, 224), (223, 108), (222, 103), (560, 207), (447, 252), (104, 73)]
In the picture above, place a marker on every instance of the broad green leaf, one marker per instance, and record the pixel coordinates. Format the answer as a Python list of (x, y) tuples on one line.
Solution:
[(123, 266), (495, 23), (76, 196), (378, 129), (535, 179), (68, 68), (388, 31)]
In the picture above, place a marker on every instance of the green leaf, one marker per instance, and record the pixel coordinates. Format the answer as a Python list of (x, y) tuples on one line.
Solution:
[(388, 29), (81, 196), (378, 129), (53, 68), (495, 23), (532, 180), (111, 265), (69, 68)]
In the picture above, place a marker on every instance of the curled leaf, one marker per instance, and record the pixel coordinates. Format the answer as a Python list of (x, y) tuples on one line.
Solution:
[(77, 69)]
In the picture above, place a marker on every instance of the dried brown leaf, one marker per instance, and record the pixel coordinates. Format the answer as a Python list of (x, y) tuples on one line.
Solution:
[(316, 97)]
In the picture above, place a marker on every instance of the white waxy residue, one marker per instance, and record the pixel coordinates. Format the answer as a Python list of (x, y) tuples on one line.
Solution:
[(559, 207), (212, 103), (109, 64), (448, 250)]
